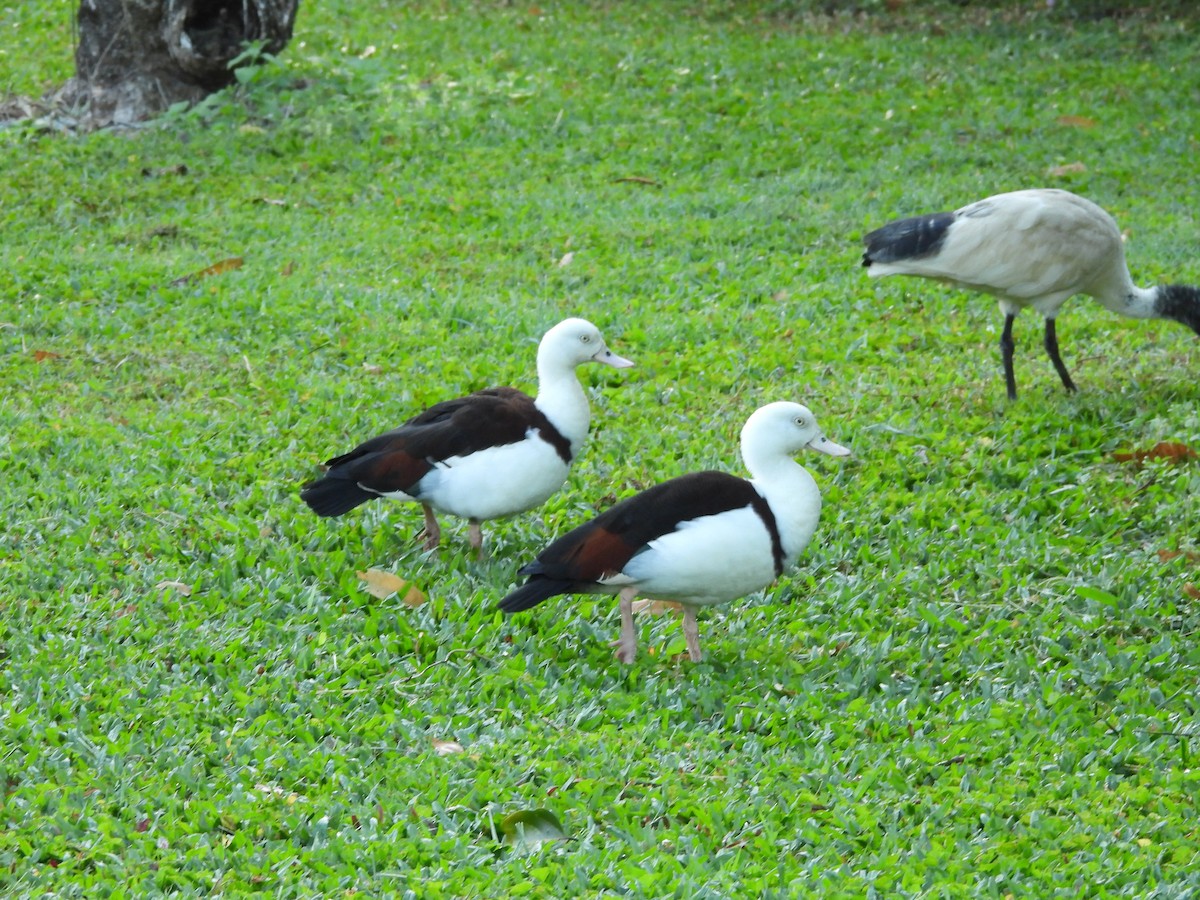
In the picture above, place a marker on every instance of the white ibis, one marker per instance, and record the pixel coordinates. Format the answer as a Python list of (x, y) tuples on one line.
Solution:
[(1033, 248)]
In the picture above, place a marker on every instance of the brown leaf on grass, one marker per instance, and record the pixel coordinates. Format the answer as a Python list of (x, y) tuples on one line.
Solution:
[(288, 268), (1192, 591), (1172, 451), (43, 355), (656, 607), (1076, 121), (181, 587), (217, 268), (1168, 555), (1074, 168), (383, 584), (637, 179), (447, 748)]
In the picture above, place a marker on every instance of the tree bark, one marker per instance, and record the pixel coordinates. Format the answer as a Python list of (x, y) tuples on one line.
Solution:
[(136, 58)]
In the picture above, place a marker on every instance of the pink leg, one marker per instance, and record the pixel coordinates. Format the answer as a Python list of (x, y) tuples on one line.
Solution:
[(627, 644), (691, 633), (433, 532), (475, 536)]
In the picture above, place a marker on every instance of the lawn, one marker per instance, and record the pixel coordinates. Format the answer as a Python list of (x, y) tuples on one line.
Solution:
[(980, 680)]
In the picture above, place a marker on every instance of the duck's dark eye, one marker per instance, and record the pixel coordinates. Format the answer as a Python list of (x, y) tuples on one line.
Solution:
[(800, 421), (586, 338)]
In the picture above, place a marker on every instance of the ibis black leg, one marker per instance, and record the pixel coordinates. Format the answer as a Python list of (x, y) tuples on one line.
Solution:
[(1052, 349), (1006, 351)]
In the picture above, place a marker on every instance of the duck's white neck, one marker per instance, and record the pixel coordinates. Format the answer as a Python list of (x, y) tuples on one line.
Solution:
[(561, 397), (791, 493)]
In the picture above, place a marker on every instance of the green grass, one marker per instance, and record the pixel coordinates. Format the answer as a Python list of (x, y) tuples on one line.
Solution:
[(981, 680)]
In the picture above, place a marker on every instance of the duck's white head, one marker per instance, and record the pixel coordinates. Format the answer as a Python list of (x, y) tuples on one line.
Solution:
[(783, 428), (573, 342)]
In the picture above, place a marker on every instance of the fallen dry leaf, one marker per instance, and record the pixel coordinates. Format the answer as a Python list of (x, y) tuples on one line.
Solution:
[(656, 607), (1192, 591), (637, 179), (566, 260), (43, 355), (383, 584), (1168, 450), (181, 587), (1168, 555), (446, 748), (1076, 121), (217, 268), (1067, 169)]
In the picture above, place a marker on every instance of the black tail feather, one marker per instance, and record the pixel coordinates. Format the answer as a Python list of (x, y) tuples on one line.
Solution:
[(907, 238), (533, 592), (333, 496)]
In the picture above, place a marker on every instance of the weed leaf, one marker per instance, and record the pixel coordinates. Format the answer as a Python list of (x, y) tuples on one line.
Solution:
[(529, 829), (1097, 595)]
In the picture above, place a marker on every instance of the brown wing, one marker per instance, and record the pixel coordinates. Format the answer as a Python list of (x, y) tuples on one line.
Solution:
[(579, 559), (398, 459)]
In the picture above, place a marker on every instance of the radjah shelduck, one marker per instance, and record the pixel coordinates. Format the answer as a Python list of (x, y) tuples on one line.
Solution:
[(700, 539), (1034, 248), (490, 454)]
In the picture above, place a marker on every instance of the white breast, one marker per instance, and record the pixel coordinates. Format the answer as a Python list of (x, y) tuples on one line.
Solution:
[(706, 561), (496, 482)]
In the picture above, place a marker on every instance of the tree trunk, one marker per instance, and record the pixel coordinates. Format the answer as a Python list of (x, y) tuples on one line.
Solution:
[(135, 58)]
